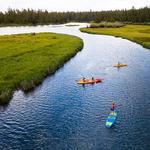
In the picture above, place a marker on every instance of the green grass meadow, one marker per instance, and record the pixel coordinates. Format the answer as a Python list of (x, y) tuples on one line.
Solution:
[(136, 33), (26, 59)]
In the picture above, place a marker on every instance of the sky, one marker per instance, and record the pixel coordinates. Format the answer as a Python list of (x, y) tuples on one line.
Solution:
[(72, 5)]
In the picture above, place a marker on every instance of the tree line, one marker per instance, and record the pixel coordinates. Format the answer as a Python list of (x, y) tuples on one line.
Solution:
[(29, 16)]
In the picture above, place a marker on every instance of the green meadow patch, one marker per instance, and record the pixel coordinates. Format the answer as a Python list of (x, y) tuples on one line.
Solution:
[(136, 33), (26, 59)]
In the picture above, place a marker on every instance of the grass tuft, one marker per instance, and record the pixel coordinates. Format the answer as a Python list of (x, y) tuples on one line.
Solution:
[(31, 84), (5, 96), (33, 34)]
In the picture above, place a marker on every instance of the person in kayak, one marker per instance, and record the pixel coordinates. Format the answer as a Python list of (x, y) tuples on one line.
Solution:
[(83, 79), (92, 78), (113, 106)]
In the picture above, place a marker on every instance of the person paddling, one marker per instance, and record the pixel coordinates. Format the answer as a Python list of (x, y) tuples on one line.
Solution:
[(113, 106), (83, 79)]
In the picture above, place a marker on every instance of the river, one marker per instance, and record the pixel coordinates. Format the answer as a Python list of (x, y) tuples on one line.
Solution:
[(62, 115)]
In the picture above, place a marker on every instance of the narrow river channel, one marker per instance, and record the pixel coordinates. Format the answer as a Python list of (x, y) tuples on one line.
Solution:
[(61, 115)]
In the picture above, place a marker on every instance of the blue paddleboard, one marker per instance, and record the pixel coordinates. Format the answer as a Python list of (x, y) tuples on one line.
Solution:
[(111, 119)]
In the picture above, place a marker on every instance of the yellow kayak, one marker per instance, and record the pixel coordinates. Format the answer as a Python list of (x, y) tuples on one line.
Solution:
[(120, 65)]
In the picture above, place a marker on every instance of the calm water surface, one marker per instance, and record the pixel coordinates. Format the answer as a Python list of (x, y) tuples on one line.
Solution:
[(61, 115)]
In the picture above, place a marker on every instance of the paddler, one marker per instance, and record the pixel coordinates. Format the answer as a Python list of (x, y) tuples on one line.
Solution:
[(113, 106), (83, 79)]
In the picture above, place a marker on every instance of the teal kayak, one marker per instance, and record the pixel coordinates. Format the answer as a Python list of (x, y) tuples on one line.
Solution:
[(111, 119)]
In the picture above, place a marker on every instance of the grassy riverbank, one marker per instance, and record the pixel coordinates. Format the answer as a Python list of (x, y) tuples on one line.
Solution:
[(26, 59), (136, 33)]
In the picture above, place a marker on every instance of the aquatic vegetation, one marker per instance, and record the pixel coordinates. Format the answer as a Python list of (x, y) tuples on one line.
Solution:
[(26, 59)]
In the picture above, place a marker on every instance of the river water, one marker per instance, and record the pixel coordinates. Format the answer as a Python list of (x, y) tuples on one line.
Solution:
[(61, 115)]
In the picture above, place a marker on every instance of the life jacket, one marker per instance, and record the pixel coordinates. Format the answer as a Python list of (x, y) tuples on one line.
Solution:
[(113, 105)]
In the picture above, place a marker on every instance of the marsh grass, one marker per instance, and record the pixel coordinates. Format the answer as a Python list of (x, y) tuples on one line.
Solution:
[(107, 25), (136, 33), (5, 96), (26, 59)]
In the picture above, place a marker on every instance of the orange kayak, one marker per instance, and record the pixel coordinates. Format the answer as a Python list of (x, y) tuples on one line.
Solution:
[(89, 81), (120, 65)]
